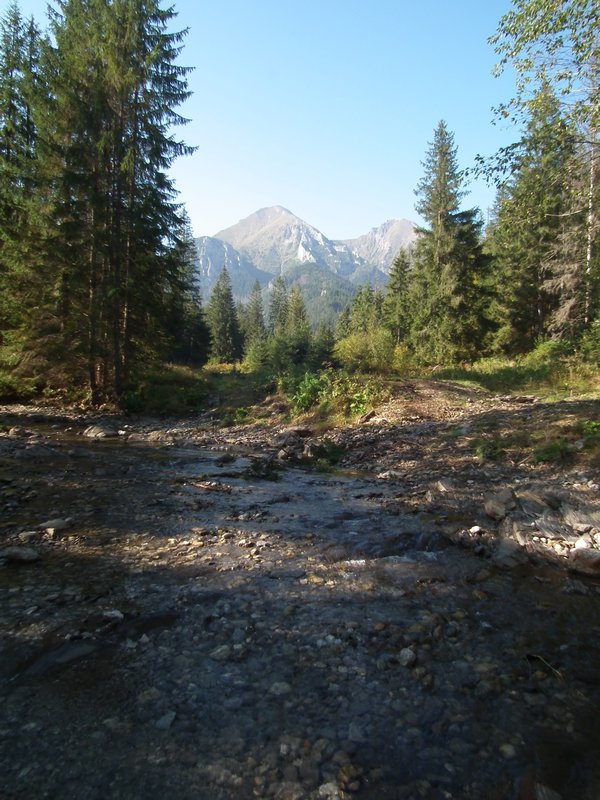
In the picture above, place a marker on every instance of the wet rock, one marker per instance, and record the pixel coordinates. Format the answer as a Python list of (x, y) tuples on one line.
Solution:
[(100, 432), (541, 792), (23, 555), (407, 657), (165, 722), (280, 688), (55, 525), (586, 561), (221, 653), (509, 553)]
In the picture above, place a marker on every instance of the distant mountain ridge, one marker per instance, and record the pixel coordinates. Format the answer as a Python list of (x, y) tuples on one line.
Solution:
[(273, 241)]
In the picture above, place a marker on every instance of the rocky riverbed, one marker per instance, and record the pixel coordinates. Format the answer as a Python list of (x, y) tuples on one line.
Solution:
[(196, 612)]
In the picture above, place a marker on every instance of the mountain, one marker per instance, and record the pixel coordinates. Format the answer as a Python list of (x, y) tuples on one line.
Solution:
[(381, 245), (276, 240), (273, 241), (213, 254)]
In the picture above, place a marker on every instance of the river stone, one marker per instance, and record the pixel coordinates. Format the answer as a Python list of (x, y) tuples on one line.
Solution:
[(221, 653), (586, 561), (407, 657), (55, 525), (508, 553), (24, 555), (541, 792), (280, 688), (165, 722), (100, 432), (499, 504)]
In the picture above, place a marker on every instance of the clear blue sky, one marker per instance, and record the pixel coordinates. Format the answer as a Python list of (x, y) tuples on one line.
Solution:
[(327, 106)]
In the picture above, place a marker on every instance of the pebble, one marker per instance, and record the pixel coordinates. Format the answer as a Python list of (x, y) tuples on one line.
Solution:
[(280, 688), (407, 657), (165, 722)]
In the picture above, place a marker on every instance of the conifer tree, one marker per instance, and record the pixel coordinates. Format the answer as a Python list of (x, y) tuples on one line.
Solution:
[(254, 328), (297, 327), (447, 318), (536, 291), (396, 309), (21, 279), (278, 305), (114, 86), (226, 337)]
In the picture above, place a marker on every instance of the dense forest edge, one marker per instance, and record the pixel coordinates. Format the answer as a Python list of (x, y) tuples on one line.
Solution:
[(99, 300)]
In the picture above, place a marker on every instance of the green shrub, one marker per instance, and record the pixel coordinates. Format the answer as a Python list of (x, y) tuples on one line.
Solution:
[(559, 452), (590, 343), (372, 351)]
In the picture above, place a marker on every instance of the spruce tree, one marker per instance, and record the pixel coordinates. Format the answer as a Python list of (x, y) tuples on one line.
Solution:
[(255, 328), (221, 315), (114, 87), (538, 287), (297, 327), (278, 305), (447, 320), (396, 309)]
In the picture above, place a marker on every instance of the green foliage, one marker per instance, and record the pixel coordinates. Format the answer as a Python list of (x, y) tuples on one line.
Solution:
[(370, 351), (447, 290), (221, 315), (175, 390), (310, 390), (558, 452), (590, 343), (589, 429), (332, 393)]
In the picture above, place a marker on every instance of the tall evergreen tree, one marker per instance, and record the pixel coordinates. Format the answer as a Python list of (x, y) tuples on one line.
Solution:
[(396, 309), (255, 329), (557, 43), (114, 85), (449, 267), (278, 305), (189, 336), (535, 291), (297, 327), (226, 344), (21, 280)]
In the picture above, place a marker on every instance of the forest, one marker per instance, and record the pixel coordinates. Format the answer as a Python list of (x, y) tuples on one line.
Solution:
[(98, 289)]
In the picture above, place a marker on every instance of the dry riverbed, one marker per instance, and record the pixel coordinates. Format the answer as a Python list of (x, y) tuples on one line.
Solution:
[(196, 612)]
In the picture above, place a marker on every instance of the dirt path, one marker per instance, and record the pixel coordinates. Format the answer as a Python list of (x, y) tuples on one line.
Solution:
[(199, 613)]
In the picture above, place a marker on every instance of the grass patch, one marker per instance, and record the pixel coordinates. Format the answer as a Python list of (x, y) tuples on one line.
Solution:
[(559, 452), (550, 371), (173, 390), (330, 396)]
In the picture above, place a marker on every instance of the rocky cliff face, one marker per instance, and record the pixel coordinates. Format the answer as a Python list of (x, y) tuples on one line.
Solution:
[(273, 241)]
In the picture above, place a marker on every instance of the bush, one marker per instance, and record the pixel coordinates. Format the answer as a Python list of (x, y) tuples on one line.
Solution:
[(372, 351), (590, 343)]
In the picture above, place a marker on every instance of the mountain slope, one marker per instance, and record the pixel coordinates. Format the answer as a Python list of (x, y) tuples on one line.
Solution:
[(275, 240), (213, 254), (380, 246)]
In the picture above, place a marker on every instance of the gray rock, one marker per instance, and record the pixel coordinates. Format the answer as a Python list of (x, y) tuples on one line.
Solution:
[(165, 722), (221, 653), (100, 432), (280, 688), (509, 553), (55, 525), (24, 555), (586, 561), (407, 657), (499, 504), (541, 792)]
